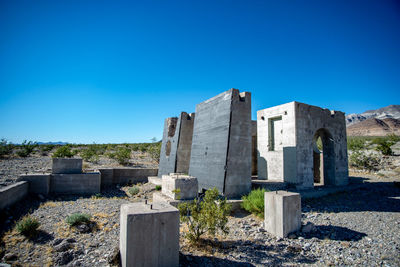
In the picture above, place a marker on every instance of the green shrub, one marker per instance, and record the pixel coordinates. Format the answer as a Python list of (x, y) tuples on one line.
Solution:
[(362, 160), (63, 152), (154, 151), (123, 155), (26, 148), (28, 226), (133, 190), (205, 216), (355, 144), (158, 187), (78, 218), (6, 148), (254, 202), (90, 154), (384, 145)]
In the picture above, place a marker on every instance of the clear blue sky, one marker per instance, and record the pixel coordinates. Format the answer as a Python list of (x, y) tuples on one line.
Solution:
[(112, 71)]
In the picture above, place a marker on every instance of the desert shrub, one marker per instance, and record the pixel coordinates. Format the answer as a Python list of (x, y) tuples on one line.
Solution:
[(78, 218), (363, 160), (6, 148), (123, 155), (158, 187), (45, 149), (154, 151), (254, 202), (208, 215), (26, 148), (134, 190), (90, 154), (383, 144), (355, 144), (28, 226), (63, 152)]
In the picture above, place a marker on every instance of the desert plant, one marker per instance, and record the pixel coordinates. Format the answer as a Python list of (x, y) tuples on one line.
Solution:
[(363, 160), (90, 154), (154, 151), (254, 202), (384, 145), (158, 187), (78, 218), (26, 148), (133, 190), (355, 144), (28, 226), (63, 152), (123, 155), (208, 215), (6, 148)]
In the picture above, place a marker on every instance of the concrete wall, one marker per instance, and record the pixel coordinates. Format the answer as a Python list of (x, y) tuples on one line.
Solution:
[(221, 144), (149, 235), (187, 186), (67, 165), (38, 183), (176, 144), (83, 183), (111, 176), (11, 194), (254, 151)]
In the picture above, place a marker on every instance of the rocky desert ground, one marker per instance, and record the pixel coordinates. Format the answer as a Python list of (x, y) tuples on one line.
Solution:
[(360, 227)]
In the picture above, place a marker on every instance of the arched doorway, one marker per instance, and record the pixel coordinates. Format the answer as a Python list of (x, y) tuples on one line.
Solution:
[(323, 158)]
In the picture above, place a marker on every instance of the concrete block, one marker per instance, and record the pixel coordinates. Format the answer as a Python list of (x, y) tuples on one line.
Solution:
[(66, 165), (149, 236), (221, 145), (187, 185), (11, 194), (176, 144), (38, 183), (282, 212), (82, 183), (132, 175), (155, 180)]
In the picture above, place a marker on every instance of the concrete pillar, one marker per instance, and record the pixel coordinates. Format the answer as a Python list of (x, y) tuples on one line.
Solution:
[(282, 212), (187, 186), (149, 235)]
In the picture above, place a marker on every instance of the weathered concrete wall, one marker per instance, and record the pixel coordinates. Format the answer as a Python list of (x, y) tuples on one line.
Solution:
[(106, 177), (254, 153), (286, 144), (11, 194), (221, 145), (149, 236), (187, 186), (277, 146), (38, 183), (75, 183), (67, 165), (111, 176), (176, 144), (282, 213), (332, 127)]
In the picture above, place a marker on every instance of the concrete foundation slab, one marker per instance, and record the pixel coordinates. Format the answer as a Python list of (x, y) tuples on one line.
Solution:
[(149, 235), (282, 212), (38, 183), (66, 165), (187, 186), (221, 145), (11, 194), (82, 183)]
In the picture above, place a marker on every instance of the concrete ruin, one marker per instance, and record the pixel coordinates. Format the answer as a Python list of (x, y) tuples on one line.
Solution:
[(176, 144), (221, 145), (179, 186), (302, 144)]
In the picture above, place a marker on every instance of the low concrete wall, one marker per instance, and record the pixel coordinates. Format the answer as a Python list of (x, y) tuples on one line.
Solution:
[(66, 165), (38, 183), (11, 194), (81, 183), (110, 176)]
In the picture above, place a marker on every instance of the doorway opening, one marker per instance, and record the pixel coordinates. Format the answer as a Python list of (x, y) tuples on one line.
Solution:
[(323, 158)]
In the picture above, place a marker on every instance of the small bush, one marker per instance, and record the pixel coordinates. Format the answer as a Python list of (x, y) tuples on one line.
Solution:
[(28, 226), (134, 190), (63, 152), (205, 216), (123, 155), (45, 149), (158, 187), (90, 154), (384, 145), (6, 148), (154, 151), (78, 218), (362, 160), (355, 144), (254, 202), (26, 148)]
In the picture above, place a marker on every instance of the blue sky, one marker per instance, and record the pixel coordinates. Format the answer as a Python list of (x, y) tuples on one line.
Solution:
[(112, 71)]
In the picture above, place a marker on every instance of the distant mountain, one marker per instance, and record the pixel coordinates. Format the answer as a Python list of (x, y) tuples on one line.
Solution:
[(392, 111), (52, 143), (374, 127)]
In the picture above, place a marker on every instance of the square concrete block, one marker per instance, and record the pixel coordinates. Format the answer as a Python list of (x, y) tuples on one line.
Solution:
[(149, 236), (81, 183), (187, 185), (38, 183), (13, 193), (282, 212), (66, 165)]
